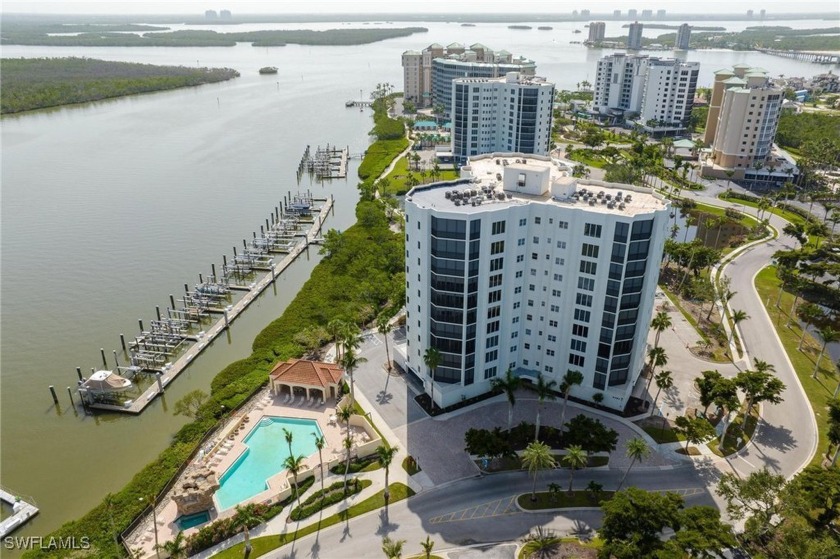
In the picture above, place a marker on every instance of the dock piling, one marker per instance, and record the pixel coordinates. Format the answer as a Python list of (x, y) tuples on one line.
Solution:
[(213, 268), (159, 382), (70, 393), (116, 360), (104, 362), (186, 288), (234, 252), (157, 311), (54, 397), (122, 343), (140, 322), (200, 278), (79, 371), (224, 260), (172, 300)]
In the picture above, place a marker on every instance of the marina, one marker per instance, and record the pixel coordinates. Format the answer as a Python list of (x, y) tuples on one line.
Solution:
[(22, 511), (292, 227), (326, 163)]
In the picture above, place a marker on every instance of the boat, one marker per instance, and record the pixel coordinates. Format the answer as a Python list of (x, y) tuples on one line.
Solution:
[(577, 31), (268, 70), (105, 382), (349, 103)]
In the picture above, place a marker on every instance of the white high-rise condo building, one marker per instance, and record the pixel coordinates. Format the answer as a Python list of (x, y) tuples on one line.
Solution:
[(634, 36), (619, 83), (683, 37), (512, 113), (427, 75), (744, 114), (597, 31), (652, 89), (668, 93), (521, 266)]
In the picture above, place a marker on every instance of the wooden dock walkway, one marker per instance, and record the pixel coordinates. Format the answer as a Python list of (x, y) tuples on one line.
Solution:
[(138, 405), (26, 510)]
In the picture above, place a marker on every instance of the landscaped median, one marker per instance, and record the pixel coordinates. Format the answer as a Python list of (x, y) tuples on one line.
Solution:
[(264, 544), (555, 500)]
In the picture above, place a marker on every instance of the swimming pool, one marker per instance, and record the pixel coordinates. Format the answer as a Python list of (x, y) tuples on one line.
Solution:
[(264, 457), (188, 521)]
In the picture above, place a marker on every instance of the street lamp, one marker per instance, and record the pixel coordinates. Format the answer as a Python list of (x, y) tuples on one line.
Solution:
[(154, 521)]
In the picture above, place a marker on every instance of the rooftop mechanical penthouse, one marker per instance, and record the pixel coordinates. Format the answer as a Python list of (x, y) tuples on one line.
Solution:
[(519, 265)]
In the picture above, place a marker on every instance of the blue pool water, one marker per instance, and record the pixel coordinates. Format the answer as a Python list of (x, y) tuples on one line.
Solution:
[(264, 457), (192, 520)]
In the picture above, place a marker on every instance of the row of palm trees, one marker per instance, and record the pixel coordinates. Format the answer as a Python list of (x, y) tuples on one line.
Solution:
[(538, 456)]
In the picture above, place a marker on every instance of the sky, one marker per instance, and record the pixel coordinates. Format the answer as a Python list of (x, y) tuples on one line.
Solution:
[(407, 6)]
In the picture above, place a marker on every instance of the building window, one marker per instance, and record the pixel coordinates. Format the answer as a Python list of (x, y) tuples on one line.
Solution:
[(496, 264), (592, 230), (494, 296), (496, 280), (583, 300), (497, 247), (576, 360), (489, 373), (517, 289), (555, 292), (498, 227), (516, 305), (534, 256), (561, 244), (582, 315), (587, 284), (537, 220), (523, 222), (558, 277), (493, 312), (580, 330), (520, 257), (520, 242), (492, 326), (563, 224), (590, 251), (587, 267)]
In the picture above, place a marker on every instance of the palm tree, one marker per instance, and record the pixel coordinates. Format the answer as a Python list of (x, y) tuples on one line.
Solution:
[(569, 381), (637, 450), (545, 391), (432, 359), (176, 548), (663, 380), (428, 546), (320, 443), (294, 464), (385, 454), (809, 313), (336, 327), (508, 384), (350, 361), (384, 327), (348, 446), (392, 548), (828, 335), (657, 358), (660, 323), (288, 436), (575, 458), (344, 413), (537, 456), (737, 317)]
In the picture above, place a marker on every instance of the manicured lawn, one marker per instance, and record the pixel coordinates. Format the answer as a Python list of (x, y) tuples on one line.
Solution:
[(587, 157), (719, 354), (663, 435), (784, 214), (820, 390), (563, 499), (399, 175), (264, 544), (737, 435)]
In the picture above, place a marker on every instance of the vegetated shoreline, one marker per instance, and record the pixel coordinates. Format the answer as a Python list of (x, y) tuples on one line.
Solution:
[(40, 83), (362, 274), (38, 34)]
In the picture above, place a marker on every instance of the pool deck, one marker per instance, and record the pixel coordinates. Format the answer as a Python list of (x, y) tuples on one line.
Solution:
[(223, 451)]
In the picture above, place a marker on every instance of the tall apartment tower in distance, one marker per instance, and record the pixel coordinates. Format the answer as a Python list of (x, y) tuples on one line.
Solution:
[(511, 114), (683, 37), (616, 14), (428, 75), (668, 94), (632, 13), (520, 266), (634, 36), (744, 114), (597, 31), (619, 83)]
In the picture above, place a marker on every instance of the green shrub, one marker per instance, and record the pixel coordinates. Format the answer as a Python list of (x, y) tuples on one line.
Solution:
[(332, 495), (356, 465)]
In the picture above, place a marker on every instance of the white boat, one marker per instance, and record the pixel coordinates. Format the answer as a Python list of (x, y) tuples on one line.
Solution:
[(102, 382)]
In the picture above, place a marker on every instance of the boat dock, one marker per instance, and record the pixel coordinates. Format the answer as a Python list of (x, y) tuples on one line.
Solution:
[(24, 509), (329, 162), (149, 351)]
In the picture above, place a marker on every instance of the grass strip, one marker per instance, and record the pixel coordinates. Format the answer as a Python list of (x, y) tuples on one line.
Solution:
[(264, 544), (563, 499), (820, 390)]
